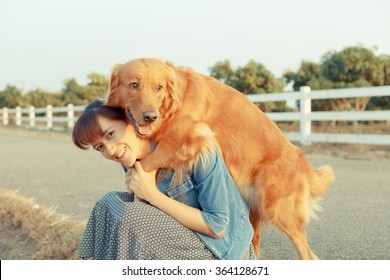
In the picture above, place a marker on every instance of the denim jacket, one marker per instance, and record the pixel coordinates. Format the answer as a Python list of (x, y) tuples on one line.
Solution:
[(211, 189)]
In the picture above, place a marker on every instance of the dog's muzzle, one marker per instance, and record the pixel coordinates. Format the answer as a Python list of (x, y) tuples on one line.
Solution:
[(150, 116)]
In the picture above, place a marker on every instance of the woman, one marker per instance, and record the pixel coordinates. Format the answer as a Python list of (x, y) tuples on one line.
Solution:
[(201, 217)]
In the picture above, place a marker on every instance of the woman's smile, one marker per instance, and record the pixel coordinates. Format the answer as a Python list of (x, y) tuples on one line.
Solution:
[(120, 155)]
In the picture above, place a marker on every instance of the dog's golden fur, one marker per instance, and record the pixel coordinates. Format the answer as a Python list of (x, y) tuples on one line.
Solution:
[(271, 173)]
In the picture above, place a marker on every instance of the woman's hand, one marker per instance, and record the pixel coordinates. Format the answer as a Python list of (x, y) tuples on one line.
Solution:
[(141, 183)]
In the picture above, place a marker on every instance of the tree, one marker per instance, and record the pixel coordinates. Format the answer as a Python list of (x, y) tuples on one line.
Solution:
[(72, 93), (223, 72), (39, 98), (252, 78), (255, 78), (308, 74), (76, 94), (383, 102), (352, 67), (11, 97), (97, 86), (384, 67)]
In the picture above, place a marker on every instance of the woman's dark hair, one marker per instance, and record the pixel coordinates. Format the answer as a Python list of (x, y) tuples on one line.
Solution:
[(87, 128)]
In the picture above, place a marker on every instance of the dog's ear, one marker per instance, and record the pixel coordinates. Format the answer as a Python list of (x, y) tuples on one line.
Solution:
[(175, 88), (114, 83)]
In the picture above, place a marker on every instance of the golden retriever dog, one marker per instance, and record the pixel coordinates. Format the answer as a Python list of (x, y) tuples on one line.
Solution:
[(170, 104)]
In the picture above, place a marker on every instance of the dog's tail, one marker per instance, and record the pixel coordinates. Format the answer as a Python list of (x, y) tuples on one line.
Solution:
[(324, 178)]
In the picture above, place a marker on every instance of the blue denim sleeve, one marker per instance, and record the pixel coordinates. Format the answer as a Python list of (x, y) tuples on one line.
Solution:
[(124, 168), (210, 181)]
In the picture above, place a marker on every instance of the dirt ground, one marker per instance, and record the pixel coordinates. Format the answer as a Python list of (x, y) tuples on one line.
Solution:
[(14, 244)]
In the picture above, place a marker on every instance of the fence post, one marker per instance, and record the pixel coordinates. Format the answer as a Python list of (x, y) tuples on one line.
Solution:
[(305, 108), (18, 116), (70, 116), (49, 116), (5, 116), (31, 116)]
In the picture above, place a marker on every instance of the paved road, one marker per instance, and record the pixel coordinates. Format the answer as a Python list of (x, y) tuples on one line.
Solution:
[(354, 224)]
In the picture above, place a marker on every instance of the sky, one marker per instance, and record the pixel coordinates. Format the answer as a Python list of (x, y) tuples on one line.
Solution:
[(45, 42)]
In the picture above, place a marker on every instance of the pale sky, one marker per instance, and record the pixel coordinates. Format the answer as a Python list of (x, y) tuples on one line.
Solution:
[(45, 42)]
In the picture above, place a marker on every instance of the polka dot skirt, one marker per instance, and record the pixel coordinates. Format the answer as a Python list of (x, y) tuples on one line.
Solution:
[(120, 228)]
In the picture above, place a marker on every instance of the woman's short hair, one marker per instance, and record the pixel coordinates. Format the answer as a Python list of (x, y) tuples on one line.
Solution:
[(87, 128)]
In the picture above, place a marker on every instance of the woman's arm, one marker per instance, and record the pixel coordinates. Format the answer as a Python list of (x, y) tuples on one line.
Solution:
[(188, 216), (143, 184)]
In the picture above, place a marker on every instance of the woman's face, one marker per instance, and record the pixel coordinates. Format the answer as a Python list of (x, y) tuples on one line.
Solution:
[(119, 142)]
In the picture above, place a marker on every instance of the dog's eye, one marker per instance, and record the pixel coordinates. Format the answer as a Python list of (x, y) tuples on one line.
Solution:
[(159, 87), (134, 85)]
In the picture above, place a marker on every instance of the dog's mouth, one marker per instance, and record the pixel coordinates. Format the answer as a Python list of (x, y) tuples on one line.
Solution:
[(142, 130)]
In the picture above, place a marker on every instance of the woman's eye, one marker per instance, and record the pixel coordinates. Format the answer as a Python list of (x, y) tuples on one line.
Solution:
[(110, 134), (134, 85), (159, 87), (99, 148)]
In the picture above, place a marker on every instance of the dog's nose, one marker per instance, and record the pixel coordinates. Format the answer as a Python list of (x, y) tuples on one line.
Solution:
[(150, 116)]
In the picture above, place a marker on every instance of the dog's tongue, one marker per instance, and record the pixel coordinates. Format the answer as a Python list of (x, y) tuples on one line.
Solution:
[(145, 129)]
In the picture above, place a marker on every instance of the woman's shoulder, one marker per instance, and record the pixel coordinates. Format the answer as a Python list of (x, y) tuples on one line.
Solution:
[(206, 164)]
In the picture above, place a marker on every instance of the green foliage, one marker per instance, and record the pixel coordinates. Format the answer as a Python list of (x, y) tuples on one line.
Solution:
[(223, 72), (309, 74), (11, 97), (40, 98), (255, 78), (252, 78), (76, 94), (383, 62), (352, 67), (72, 93), (97, 86)]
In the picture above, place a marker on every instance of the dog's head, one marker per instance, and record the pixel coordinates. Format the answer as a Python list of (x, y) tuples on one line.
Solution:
[(148, 89)]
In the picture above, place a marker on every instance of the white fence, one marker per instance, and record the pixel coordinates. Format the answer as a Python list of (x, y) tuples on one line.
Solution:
[(50, 117)]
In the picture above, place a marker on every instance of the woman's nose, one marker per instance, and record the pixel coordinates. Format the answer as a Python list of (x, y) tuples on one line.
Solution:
[(110, 150)]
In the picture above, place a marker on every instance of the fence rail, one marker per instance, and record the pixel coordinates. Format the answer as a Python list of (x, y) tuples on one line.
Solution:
[(62, 118)]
